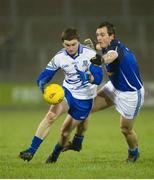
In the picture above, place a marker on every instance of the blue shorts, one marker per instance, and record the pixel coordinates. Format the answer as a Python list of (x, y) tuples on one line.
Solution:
[(78, 109)]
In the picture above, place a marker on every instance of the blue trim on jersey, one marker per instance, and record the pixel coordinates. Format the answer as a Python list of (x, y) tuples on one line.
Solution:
[(72, 82), (78, 109), (97, 73), (80, 49), (124, 71), (138, 102)]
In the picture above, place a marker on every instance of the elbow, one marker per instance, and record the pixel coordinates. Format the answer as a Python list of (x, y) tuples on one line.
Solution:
[(39, 79)]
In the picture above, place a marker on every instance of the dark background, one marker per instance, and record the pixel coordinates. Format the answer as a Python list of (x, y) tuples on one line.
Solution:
[(30, 33)]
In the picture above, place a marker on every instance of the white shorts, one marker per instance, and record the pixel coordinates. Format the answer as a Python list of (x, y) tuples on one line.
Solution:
[(127, 103)]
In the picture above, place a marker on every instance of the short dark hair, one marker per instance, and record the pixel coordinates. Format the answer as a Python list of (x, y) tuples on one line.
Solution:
[(70, 34), (110, 27)]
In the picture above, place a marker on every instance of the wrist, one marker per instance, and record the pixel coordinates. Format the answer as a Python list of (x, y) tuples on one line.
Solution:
[(87, 76), (97, 60)]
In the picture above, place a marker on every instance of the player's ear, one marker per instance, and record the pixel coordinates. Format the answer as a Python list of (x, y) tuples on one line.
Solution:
[(112, 37)]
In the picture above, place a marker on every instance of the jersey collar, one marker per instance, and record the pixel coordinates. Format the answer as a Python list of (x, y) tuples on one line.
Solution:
[(80, 50)]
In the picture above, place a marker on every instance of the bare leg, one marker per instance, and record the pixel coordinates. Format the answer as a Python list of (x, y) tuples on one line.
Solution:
[(43, 130), (100, 102), (53, 113), (67, 127), (82, 127), (76, 143), (126, 126)]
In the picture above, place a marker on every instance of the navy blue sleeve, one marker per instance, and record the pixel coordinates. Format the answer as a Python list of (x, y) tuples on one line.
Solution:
[(44, 78), (97, 73)]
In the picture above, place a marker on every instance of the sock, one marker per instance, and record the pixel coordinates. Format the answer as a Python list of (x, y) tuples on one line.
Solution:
[(133, 152), (77, 141), (36, 141), (57, 149)]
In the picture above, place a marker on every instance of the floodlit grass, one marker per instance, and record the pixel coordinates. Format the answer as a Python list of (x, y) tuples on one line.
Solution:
[(103, 154)]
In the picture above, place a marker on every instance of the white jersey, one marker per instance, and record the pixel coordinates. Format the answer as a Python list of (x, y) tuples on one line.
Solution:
[(62, 60)]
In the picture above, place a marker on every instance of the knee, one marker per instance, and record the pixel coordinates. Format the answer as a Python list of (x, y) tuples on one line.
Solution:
[(64, 133), (50, 117), (125, 130)]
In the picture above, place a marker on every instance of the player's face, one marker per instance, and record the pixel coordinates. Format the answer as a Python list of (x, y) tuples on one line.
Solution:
[(71, 46), (103, 37)]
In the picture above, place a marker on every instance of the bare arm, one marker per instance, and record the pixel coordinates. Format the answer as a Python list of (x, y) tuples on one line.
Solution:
[(109, 57)]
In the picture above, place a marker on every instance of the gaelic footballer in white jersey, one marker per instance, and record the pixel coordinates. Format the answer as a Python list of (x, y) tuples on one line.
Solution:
[(81, 78), (70, 65)]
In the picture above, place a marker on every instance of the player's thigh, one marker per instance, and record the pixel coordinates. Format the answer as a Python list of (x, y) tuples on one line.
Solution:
[(58, 109), (101, 101)]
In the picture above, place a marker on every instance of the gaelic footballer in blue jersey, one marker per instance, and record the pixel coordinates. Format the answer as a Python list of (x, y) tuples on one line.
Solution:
[(81, 78), (124, 88)]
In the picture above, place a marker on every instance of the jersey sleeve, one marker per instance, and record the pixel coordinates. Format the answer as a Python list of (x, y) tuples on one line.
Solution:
[(97, 73), (44, 77)]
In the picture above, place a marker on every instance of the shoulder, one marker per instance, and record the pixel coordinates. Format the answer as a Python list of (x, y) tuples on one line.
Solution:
[(116, 43), (87, 51), (60, 54), (117, 47)]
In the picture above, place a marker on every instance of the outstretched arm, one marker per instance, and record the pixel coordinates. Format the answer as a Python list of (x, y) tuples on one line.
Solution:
[(93, 76), (107, 58), (44, 78)]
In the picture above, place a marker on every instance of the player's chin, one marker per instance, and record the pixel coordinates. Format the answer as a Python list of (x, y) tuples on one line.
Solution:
[(102, 45), (72, 53)]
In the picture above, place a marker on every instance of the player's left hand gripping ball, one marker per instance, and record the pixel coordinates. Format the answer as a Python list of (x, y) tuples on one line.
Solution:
[(53, 94)]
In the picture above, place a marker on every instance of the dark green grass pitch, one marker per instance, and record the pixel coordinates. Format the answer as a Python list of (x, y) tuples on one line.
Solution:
[(103, 154)]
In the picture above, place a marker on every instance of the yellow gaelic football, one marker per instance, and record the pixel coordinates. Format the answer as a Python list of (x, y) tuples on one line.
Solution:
[(53, 94)]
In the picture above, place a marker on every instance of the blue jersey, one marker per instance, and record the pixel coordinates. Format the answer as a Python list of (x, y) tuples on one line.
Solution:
[(123, 72)]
